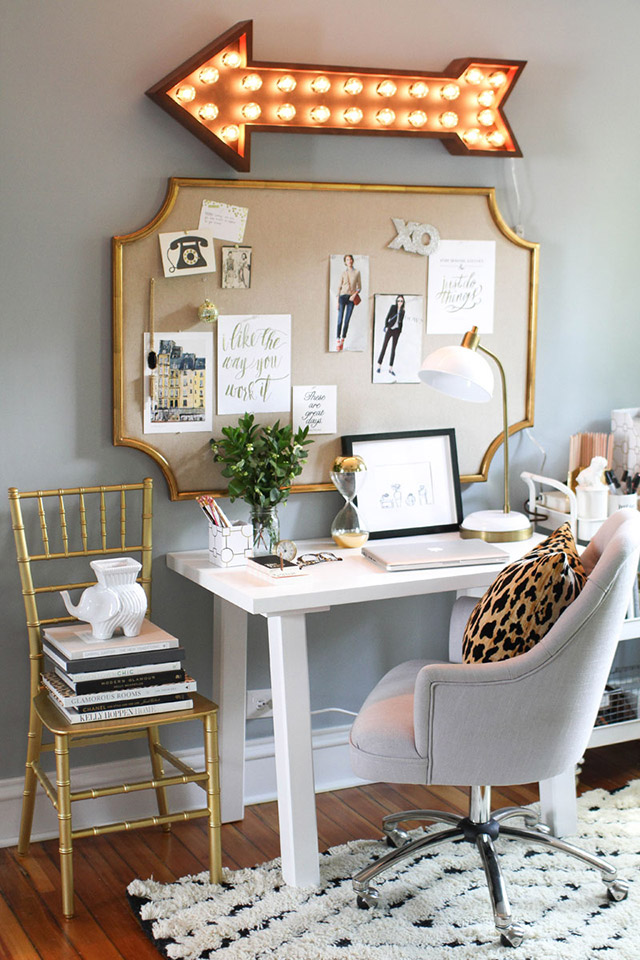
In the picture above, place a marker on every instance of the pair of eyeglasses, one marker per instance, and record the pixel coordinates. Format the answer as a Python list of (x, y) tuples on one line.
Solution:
[(307, 559)]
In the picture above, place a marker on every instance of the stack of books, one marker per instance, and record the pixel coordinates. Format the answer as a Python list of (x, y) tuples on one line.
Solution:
[(111, 679)]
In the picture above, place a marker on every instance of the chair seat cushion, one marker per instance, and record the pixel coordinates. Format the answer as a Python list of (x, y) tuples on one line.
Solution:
[(525, 600), (382, 739)]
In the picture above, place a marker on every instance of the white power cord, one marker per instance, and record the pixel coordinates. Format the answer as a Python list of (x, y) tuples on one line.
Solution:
[(518, 226), (539, 446)]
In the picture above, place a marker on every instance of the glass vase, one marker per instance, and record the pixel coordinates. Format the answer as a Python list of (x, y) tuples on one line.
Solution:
[(266, 530)]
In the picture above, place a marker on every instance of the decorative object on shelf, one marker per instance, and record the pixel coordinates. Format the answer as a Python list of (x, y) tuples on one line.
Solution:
[(625, 427), (116, 600), (592, 495), (207, 311), (261, 463), (583, 447), (214, 94), (348, 475), (462, 372), (286, 549)]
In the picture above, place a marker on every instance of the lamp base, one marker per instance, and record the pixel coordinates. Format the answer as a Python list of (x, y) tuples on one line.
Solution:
[(496, 526)]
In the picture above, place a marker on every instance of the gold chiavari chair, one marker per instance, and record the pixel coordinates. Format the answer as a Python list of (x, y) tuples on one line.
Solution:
[(67, 540)]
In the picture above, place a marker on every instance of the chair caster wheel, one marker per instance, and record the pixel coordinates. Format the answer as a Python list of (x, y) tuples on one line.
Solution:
[(368, 899), (397, 838), (618, 890), (512, 936)]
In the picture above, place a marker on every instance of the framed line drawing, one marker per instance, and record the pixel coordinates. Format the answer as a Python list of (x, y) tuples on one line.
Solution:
[(412, 485)]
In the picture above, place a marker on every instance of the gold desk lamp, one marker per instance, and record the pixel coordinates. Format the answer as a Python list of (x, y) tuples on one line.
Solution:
[(461, 372)]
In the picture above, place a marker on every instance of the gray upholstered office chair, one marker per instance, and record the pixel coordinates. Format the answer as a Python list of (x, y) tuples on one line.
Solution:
[(515, 721)]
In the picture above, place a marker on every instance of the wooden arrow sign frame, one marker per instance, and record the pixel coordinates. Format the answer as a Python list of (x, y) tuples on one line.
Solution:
[(462, 105)]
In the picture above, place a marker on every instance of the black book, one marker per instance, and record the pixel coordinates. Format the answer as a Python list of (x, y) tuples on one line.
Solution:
[(122, 683), (114, 661)]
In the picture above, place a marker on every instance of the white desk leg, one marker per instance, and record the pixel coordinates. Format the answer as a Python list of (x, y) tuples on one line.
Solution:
[(558, 803), (230, 693), (294, 758)]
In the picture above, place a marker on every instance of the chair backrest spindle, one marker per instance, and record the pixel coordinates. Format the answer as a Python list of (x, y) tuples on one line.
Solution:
[(86, 498)]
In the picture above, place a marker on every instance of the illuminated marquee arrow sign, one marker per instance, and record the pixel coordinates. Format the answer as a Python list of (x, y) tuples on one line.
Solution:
[(221, 94)]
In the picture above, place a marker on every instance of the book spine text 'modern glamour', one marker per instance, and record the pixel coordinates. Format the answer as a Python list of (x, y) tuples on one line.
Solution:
[(59, 689)]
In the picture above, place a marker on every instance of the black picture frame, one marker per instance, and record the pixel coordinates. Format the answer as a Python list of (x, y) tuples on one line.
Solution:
[(422, 497)]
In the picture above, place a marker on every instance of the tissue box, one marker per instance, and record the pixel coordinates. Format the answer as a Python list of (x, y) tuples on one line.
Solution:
[(230, 546)]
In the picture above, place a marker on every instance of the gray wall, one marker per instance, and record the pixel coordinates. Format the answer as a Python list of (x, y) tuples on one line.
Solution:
[(86, 155)]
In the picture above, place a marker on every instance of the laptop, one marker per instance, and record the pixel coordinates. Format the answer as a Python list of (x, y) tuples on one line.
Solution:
[(431, 554)]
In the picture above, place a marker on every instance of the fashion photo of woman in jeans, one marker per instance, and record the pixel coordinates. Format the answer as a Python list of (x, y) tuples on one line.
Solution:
[(392, 330), (348, 291)]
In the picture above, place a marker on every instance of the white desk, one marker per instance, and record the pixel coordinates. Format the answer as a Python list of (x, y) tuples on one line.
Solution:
[(285, 604)]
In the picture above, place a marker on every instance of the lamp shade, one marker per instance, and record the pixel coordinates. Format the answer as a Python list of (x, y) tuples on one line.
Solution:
[(458, 372)]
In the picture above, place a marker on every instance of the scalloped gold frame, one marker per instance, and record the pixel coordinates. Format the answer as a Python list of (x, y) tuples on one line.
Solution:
[(174, 187)]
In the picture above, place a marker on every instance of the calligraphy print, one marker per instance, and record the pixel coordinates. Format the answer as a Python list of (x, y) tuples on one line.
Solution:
[(254, 364), (315, 407), (461, 286)]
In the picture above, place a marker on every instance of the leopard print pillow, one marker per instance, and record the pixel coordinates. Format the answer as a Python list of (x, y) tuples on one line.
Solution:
[(525, 600)]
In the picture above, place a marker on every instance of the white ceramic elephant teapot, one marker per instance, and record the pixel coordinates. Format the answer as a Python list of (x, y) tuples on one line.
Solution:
[(116, 600)]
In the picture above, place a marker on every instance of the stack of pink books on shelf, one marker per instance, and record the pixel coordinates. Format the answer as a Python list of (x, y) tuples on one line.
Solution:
[(111, 679)]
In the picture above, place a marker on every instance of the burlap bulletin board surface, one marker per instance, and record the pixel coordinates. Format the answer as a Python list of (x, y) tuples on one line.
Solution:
[(293, 229)]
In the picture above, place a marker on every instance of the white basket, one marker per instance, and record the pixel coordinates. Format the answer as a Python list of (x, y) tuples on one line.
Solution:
[(230, 546)]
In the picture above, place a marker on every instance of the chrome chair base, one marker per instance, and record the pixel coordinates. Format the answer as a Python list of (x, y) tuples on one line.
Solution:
[(482, 829)]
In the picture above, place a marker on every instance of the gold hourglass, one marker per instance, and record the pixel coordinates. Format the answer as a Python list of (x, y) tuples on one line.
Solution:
[(348, 474)]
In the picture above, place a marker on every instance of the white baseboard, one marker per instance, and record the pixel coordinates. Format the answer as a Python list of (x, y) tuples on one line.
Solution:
[(331, 764)]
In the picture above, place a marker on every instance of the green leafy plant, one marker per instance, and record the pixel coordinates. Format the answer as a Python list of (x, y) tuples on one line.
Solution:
[(261, 462)]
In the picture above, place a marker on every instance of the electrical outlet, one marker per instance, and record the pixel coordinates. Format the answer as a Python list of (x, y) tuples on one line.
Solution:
[(259, 704)]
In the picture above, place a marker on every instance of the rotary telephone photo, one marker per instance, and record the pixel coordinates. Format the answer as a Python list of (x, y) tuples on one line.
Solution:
[(189, 253)]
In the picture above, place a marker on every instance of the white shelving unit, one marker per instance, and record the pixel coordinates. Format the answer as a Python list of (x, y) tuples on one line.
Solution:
[(623, 730), (606, 733)]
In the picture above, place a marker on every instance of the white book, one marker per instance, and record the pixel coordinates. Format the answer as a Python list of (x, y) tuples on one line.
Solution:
[(65, 695), (75, 641), (121, 713)]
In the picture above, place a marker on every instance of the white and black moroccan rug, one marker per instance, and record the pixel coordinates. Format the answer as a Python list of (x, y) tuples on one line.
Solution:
[(436, 906)]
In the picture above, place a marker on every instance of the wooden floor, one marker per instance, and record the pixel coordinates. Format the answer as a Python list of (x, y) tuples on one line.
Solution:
[(31, 927)]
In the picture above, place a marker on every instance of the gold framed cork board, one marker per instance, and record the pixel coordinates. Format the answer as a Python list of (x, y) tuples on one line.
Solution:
[(293, 232)]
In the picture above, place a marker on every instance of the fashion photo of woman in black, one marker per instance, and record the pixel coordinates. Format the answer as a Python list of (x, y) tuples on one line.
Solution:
[(392, 330)]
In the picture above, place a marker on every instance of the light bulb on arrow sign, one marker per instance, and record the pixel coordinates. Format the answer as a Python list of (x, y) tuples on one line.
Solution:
[(221, 94)]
